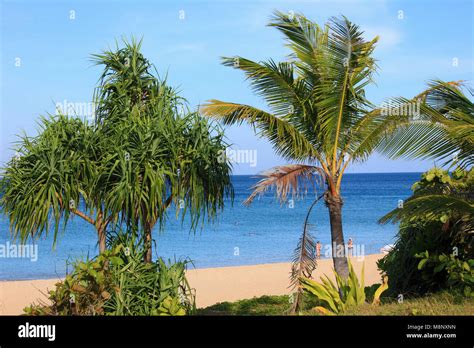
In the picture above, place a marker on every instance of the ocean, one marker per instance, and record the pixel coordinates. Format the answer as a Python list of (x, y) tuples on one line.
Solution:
[(265, 232)]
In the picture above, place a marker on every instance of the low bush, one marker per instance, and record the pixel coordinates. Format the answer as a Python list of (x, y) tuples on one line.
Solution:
[(458, 274), (346, 293), (434, 249), (118, 282)]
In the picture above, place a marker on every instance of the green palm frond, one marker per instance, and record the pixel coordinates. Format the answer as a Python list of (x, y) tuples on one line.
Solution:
[(319, 113), (302, 35), (315, 97), (286, 139), (444, 130), (431, 206), (349, 67), (271, 80)]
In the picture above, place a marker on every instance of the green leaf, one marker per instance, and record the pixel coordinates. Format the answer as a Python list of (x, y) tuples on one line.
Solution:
[(422, 263)]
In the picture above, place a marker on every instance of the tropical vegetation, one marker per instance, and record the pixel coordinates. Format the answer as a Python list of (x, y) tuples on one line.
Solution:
[(438, 304), (118, 282), (144, 153), (346, 293), (318, 116), (434, 250)]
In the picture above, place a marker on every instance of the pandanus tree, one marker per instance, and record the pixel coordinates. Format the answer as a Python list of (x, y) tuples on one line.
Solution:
[(52, 177), (144, 152), (318, 115), (158, 153)]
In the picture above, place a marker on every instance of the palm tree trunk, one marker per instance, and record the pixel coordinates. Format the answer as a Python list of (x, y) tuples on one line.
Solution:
[(148, 241), (334, 204)]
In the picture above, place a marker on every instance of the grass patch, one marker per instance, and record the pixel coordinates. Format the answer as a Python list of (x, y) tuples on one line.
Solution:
[(434, 304), (265, 305)]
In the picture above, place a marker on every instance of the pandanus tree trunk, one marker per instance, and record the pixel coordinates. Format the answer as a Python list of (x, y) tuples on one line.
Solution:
[(148, 242), (334, 204), (100, 226), (102, 239)]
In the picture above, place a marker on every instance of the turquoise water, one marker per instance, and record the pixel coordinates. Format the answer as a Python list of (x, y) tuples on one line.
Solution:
[(265, 232)]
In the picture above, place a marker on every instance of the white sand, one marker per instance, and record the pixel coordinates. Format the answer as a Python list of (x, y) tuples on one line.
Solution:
[(212, 285)]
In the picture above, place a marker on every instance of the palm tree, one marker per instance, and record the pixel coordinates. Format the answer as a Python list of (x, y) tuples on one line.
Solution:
[(319, 114), (446, 134), (446, 131)]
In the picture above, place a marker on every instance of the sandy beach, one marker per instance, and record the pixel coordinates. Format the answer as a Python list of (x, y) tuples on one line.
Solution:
[(212, 285)]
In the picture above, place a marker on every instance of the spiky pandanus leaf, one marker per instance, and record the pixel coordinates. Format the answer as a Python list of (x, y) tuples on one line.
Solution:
[(51, 178), (139, 157)]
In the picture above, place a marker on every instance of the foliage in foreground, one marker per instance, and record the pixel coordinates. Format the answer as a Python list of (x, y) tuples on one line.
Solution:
[(264, 305), (346, 293), (459, 274), (434, 304), (434, 250), (442, 303), (118, 282)]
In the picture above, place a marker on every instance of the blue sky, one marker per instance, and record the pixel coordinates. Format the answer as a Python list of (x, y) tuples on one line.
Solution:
[(419, 41)]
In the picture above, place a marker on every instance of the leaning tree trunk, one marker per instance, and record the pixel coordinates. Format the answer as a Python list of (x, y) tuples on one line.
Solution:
[(334, 204), (148, 242)]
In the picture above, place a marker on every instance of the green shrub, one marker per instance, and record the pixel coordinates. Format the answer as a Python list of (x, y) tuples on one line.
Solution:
[(337, 298), (459, 275), (401, 264), (118, 282), (436, 220)]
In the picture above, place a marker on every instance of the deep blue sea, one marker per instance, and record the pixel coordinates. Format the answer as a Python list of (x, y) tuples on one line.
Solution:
[(265, 232)]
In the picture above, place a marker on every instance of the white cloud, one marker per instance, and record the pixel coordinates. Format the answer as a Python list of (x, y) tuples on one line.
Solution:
[(388, 37)]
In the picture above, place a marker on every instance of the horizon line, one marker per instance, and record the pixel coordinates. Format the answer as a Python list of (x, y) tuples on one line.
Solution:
[(346, 173)]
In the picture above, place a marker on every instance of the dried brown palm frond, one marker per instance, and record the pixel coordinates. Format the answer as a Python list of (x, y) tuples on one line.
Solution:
[(304, 260), (292, 179)]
